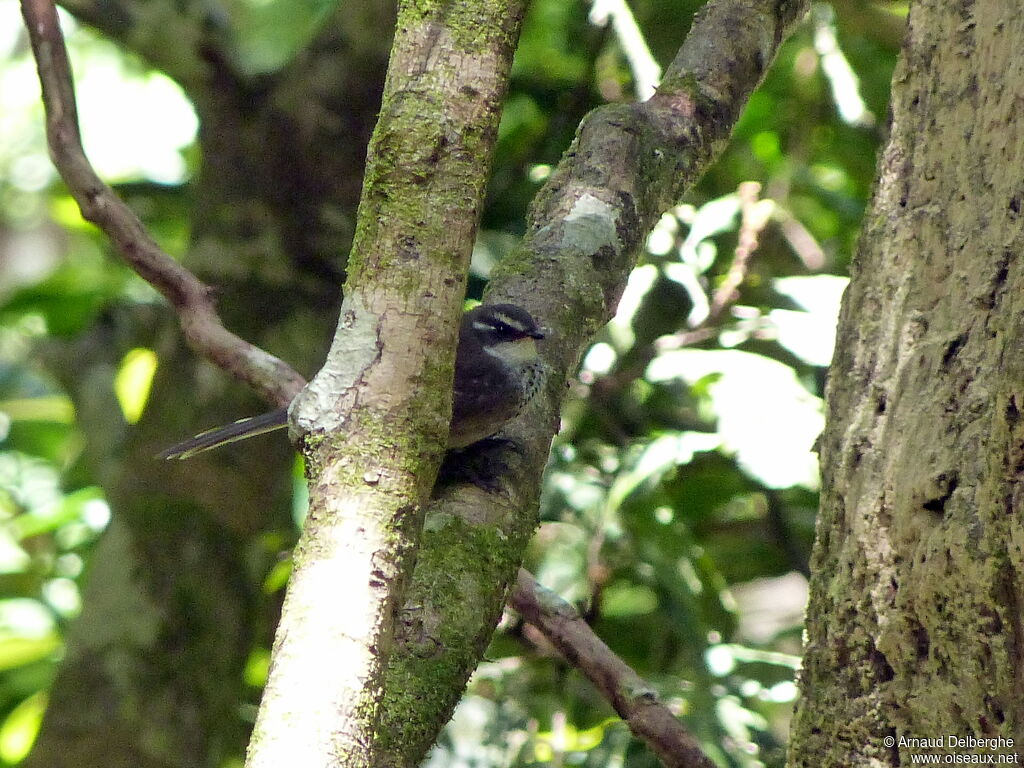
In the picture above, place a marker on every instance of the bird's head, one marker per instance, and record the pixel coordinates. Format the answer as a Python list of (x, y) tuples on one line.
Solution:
[(505, 331)]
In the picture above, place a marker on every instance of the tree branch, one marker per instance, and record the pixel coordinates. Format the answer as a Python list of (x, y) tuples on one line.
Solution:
[(192, 299), (634, 700), (375, 419), (753, 218), (627, 165)]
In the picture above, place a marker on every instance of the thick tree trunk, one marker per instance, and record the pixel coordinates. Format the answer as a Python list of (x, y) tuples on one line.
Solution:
[(914, 628)]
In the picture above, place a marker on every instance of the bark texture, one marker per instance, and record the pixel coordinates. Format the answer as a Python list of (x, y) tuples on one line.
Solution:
[(627, 165), (373, 423), (914, 627)]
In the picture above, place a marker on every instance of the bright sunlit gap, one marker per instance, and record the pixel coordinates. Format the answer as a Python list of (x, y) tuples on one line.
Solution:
[(133, 380), (837, 70), (766, 415), (135, 123)]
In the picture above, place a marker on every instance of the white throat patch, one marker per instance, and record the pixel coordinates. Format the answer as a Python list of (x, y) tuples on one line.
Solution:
[(519, 351)]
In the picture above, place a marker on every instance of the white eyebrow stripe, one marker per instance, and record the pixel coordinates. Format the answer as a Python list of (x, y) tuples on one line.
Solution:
[(510, 321)]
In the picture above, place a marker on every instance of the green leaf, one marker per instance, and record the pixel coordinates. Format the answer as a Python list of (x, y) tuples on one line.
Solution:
[(132, 382), (19, 730), (54, 408), (19, 650), (50, 518)]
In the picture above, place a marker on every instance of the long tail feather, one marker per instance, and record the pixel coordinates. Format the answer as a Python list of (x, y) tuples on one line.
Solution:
[(239, 430)]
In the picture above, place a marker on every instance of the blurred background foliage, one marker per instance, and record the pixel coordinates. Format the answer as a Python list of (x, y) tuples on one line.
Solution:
[(678, 509)]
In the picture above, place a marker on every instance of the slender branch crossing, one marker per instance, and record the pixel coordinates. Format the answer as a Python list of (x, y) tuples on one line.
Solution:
[(634, 700), (192, 299)]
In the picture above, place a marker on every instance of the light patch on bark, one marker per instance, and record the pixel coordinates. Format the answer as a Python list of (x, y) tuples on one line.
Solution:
[(355, 345), (334, 599), (590, 225)]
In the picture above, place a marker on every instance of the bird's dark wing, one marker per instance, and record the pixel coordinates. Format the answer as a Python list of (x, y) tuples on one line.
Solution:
[(481, 405)]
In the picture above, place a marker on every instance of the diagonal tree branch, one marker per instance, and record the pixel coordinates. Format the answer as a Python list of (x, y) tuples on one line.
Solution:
[(192, 299), (634, 700), (628, 164)]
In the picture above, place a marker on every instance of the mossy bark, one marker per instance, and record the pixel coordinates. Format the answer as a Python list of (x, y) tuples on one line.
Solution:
[(373, 423), (914, 627), (585, 229)]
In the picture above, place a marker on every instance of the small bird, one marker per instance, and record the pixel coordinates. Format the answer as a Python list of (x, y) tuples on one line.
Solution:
[(497, 372)]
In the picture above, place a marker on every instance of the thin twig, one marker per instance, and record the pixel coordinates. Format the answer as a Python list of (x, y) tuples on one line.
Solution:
[(800, 239), (754, 216), (752, 221), (192, 299), (634, 700)]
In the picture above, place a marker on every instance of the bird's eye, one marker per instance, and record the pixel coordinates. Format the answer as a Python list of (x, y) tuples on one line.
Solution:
[(504, 330)]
